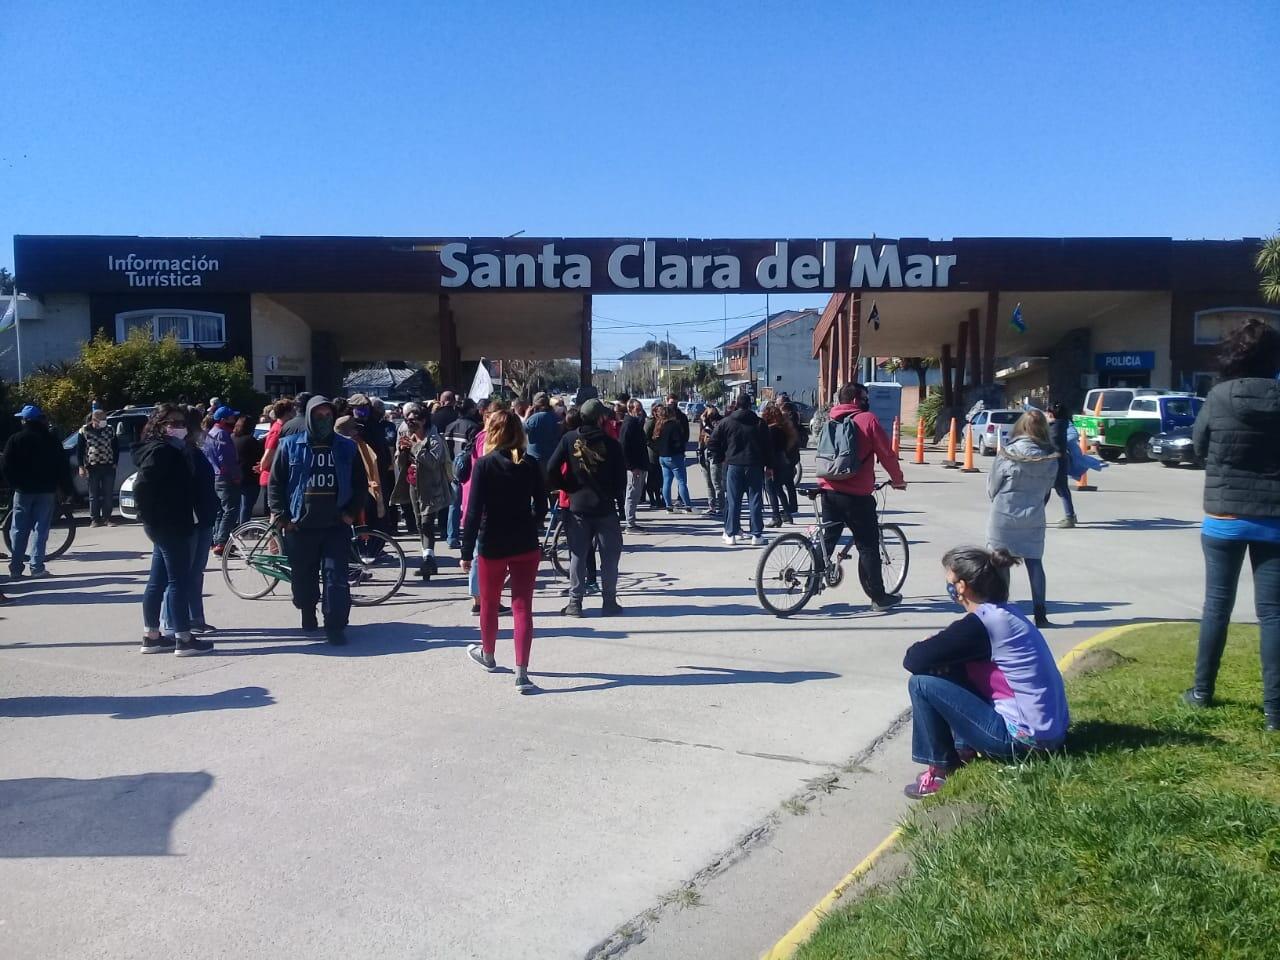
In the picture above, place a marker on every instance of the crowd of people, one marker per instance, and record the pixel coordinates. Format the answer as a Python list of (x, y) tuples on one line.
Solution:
[(486, 477)]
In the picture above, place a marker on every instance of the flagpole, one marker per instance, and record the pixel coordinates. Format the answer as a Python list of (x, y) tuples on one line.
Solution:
[(767, 382)]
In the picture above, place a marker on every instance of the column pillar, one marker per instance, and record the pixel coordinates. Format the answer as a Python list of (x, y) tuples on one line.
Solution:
[(975, 347), (584, 347), (962, 355), (989, 351), (855, 335), (449, 357), (948, 387), (840, 344)]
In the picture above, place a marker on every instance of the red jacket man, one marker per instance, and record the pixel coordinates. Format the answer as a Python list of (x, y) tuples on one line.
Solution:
[(850, 501)]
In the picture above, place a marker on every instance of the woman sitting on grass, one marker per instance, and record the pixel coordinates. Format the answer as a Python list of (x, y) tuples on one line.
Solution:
[(987, 683)]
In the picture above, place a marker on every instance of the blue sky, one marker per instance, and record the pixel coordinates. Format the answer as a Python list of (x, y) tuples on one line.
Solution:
[(634, 119)]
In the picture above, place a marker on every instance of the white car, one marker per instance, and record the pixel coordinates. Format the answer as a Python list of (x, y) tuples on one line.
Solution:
[(991, 429), (128, 507)]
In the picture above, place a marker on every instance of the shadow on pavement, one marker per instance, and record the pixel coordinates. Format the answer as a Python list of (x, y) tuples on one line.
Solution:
[(1147, 523), (136, 708), (1100, 736), (709, 676), (363, 640), (130, 816)]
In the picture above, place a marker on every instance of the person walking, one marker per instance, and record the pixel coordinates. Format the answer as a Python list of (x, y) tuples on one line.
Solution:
[(317, 485), (459, 438), (671, 432), (1019, 485), (713, 470), (501, 525), (741, 441), (207, 508), (98, 452), (802, 440), (1237, 434), (248, 454), (986, 684), (424, 479), (1059, 428), (635, 456), (37, 471), (653, 480), (165, 493), (854, 442), (221, 451), (785, 444), (595, 482), (368, 415)]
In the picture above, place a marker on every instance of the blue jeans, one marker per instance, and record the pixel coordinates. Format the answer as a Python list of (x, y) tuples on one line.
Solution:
[(737, 481), (201, 540), (169, 583), (673, 468), (229, 497), (1222, 562), (32, 513), (455, 515), (946, 715), (249, 493)]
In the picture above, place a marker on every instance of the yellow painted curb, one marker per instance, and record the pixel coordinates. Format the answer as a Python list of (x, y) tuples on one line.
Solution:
[(785, 948)]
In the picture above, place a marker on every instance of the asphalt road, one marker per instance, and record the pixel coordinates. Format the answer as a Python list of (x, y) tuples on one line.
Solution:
[(389, 799)]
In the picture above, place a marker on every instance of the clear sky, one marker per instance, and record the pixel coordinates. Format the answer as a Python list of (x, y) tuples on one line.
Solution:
[(640, 119)]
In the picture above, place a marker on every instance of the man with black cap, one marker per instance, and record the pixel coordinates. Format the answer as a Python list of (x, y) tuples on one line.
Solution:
[(318, 483), (37, 470), (741, 440), (220, 449), (589, 466)]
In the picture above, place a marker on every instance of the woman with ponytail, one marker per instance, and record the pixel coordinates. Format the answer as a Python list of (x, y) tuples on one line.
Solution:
[(986, 684), (504, 506)]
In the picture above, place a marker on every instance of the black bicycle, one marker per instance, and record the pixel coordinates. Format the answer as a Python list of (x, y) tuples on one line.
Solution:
[(62, 532), (796, 565), (555, 545)]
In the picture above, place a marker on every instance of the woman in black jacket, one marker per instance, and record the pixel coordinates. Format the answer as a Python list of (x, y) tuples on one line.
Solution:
[(165, 493), (208, 507), (1238, 435), (785, 445)]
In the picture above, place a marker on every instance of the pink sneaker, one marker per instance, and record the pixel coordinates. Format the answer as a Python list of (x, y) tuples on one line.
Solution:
[(927, 784)]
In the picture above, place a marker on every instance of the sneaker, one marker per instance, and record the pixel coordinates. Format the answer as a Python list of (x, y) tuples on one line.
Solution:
[(729, 539), (633, 528), (428, 568), (477, 655), (309, 622), (887, 602), (1196, 701), (572, 609), (927, 784), (217, 549), (1066, 523), (523, 684), (455, 544), (611, 608), (40, 574), (757, 541), (502, 609), (192, 648), (775, 522), (200, 629), (1272, 723), (337, 637), (592, 587), (157, 645)]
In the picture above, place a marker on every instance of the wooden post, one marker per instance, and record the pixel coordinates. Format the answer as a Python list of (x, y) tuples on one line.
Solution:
[(975, 348), (855, 337), (989, 351), (962, 354), (822, 374), (948, 393), (584, 346), (448, 346)]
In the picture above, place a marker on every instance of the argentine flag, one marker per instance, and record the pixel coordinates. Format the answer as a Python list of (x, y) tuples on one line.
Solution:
[(1016, 320)]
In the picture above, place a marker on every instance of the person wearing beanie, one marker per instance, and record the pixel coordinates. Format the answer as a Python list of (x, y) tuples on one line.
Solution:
[(595, 481)]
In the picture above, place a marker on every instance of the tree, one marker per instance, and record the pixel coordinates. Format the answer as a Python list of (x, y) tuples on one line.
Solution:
[(1268, 264), (7, 281), (700, 378), (138, 371), (527, 377), (917, 365)]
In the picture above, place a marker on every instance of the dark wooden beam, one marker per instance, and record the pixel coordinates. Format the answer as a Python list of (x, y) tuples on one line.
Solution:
[(449, 365), (989, 351), (948, 387), (975, 347), (855, 336), (584, 348), (962, 354)]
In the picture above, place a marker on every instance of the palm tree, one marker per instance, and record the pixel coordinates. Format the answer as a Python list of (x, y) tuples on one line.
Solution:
[(1268, 264)]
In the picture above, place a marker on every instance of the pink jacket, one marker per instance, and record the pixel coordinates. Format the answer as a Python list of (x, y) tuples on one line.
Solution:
[(873, 444), (477, 451)]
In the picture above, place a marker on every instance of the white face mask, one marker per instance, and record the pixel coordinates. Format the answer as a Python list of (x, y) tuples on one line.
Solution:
[(177, 433)]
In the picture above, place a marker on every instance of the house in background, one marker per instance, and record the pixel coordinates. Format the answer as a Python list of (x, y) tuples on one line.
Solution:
[(791, 366), (393, 380)]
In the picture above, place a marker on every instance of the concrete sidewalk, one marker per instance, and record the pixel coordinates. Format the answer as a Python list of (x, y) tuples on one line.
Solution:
[(389, 799)]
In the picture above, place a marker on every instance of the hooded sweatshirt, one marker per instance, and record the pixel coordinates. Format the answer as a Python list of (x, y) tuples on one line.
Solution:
[(1020, 482), (328, 473), (597, 474), (873, 445), (741, 440), (165, 488), (1238, 435)]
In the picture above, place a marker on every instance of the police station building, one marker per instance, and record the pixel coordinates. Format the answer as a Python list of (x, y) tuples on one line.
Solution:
[(1143, 311)]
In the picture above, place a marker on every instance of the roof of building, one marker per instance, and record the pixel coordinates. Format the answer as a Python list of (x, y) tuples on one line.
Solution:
[(776, 320), (378, 377)]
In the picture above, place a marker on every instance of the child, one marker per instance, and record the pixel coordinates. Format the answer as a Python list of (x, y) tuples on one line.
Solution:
[(987, 683)]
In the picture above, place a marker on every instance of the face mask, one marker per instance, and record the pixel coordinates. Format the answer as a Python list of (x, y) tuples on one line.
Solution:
[(363, 412), (953, 593), (176, 433), (322, 427)]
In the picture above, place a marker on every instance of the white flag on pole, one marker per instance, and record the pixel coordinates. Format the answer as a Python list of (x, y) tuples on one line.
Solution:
[(10, 318), (482, 385)]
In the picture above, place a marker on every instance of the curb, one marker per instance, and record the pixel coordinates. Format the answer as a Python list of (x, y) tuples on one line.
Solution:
[(794, 938)]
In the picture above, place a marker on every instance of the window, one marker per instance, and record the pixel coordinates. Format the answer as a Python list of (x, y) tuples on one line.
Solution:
[(192, 328), (1006, 416), (1212, 325), (1143, 406), (1113, 401)]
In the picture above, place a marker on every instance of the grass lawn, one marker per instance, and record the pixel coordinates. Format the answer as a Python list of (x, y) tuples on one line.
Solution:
[(1157, 835)]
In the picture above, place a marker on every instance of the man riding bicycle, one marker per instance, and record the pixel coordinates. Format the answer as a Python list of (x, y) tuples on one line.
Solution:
[(849, 500)]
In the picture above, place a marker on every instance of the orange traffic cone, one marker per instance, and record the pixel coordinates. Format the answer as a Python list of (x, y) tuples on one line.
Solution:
[(968, 451), (897, 437), (1083, 485), (950, 462), (920, 441)]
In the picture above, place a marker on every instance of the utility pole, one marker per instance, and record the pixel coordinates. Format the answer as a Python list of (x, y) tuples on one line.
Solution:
[(668, 333), (767, 381)]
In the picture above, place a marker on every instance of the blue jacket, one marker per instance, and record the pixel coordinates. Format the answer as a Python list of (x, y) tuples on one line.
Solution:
[(222, 454), (293, 465), (1078, 462), (544, 431)]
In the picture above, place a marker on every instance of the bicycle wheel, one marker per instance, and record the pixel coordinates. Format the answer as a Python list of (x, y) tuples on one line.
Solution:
[(376, 568), (252, 560), (560, 552), (895, 556), (787, 575), (62, 532)]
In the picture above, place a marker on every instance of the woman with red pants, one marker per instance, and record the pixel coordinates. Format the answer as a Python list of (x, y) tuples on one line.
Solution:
[(501, 524)]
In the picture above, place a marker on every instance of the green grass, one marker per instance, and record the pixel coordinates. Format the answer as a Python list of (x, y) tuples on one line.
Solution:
[(1156, 835)]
